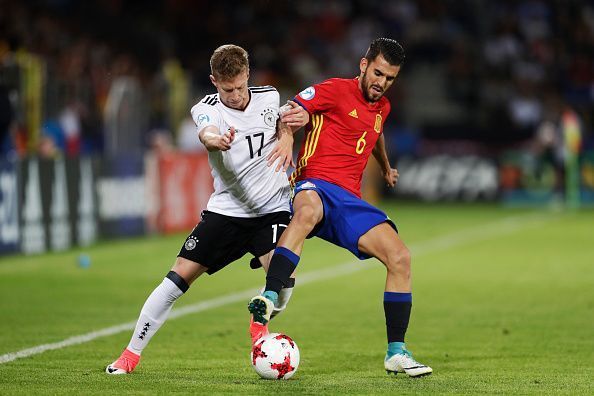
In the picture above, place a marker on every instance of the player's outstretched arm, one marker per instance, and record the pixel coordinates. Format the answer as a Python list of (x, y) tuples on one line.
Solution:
[(213, 140), (380, 154)]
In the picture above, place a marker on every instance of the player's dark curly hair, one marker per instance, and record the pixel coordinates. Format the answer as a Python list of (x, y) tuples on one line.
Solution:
[(228, 61), (391, 50)]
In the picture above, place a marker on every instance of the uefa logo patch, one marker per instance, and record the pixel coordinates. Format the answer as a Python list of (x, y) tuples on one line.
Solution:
[(308, 93), (191, 243), (203, 118)]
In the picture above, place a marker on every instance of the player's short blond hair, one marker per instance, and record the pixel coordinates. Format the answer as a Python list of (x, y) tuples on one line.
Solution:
[(228, 61)]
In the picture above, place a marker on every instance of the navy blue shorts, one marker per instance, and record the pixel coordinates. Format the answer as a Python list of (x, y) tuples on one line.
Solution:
[(346, 216)]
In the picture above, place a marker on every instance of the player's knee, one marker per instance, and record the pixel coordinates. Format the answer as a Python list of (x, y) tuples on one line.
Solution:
[(307, 217), (399, 262), (188, 270)]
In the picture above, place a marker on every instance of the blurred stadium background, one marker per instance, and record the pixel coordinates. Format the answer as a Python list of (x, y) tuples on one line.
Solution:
[(492, 119), (495, 102)]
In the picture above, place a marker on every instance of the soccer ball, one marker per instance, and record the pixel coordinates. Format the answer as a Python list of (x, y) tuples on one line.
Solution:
[(275, 356)]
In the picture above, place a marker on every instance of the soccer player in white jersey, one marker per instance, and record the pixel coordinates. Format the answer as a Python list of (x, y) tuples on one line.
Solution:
[(249, 149)]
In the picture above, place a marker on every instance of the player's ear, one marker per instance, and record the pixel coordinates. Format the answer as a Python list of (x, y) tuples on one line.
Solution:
[(213, 80), (363, 65)]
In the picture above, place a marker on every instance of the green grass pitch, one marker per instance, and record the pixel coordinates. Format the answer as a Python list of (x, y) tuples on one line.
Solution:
[(503, 302)]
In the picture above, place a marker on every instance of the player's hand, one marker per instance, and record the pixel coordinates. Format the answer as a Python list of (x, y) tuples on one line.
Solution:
[(282, 152), (224, 141), (391, 177), (295, 117), (214, 141)]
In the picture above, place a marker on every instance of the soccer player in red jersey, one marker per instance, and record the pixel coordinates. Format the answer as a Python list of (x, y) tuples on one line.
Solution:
[(347, 118)]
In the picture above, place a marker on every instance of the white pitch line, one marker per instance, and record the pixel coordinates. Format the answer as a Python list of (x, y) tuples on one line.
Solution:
[(458, 238)]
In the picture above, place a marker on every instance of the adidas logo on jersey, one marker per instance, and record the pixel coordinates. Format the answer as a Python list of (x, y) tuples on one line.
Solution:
[(354, 113)]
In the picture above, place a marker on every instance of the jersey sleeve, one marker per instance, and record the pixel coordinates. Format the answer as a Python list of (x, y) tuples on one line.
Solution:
[(318, 98), (205, 115)]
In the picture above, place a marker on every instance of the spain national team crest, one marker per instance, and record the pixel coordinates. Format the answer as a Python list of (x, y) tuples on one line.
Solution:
[(378, 123), (269, 117)]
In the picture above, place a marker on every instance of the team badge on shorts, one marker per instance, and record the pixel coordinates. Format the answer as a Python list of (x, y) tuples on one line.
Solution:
[(307, 186), (191, 242)]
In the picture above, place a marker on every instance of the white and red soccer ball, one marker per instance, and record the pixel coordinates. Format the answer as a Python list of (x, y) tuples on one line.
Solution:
[(275, 356)]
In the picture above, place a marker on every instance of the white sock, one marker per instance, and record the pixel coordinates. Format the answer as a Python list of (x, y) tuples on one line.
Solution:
[(283, 299), (153, 314)]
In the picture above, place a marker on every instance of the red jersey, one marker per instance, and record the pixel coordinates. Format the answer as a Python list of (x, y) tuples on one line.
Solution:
[(341, 134)]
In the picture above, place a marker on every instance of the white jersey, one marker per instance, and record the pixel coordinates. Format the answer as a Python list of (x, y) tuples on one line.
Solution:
[(244, 185)]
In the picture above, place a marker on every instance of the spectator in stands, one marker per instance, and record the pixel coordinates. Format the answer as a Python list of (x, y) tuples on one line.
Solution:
[(6, 117)]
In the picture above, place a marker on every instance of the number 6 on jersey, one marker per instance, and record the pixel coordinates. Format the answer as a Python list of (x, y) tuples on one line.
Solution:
[(361, 143)]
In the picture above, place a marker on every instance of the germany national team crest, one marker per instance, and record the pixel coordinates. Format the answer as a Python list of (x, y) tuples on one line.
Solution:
[(269, 117), (191, 242)]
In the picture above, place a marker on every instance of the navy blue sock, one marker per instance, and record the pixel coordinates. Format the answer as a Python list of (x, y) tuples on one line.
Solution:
[(282, 265), (397, 308)]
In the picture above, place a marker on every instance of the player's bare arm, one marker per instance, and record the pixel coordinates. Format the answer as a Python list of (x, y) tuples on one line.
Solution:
[(292, 118), (282, 153), (380, 154), (214, 141)]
